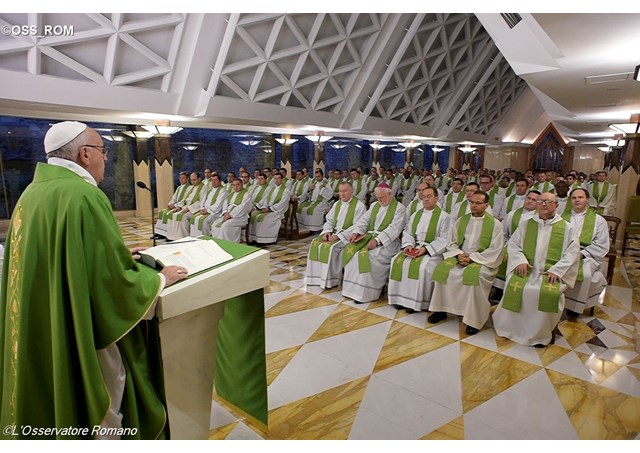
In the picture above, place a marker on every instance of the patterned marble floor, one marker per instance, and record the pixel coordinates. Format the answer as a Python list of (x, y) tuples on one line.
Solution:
[(339, 370)]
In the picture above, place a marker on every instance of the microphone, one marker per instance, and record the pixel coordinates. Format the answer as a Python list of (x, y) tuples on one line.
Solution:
[(142, 185)]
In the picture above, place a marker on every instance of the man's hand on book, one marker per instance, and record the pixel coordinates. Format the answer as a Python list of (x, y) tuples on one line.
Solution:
[(172, 274)]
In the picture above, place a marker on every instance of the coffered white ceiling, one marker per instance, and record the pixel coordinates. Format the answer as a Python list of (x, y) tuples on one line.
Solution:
[(451, 77)]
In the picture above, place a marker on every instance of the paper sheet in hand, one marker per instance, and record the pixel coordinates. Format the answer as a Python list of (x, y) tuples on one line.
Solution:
[(195, 255)]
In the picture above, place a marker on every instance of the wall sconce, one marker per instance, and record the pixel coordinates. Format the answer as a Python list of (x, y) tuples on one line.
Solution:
[(377, 145), (436, 149), (318, 138), (467, 149), (286, 141), (138, 135)]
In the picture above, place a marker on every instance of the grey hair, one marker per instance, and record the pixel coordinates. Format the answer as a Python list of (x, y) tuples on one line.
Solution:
[(71, 150)]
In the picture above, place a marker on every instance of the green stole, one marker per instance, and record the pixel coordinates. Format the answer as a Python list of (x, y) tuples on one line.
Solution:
[(413, 207), (297, 187), (311, 205), (261, 192), (463, 208), (391, 181), (471, 273), (510, 202), (510, 189), (195, 197), (320, 250), (335, 185), (492, 195), (599, 197), (545, 187), (549, 292), (165, 214), (414, 265), (258, 216), (586, 235), (358, 187), (200, 217), (448, 205), (360, 247), (234, 202), (515, 220)]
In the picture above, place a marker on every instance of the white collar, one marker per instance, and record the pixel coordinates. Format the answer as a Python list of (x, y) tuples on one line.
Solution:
[(72, 166)]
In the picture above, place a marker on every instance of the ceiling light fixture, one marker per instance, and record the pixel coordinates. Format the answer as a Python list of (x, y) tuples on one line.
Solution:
[(377, 145), (250, 142), (190, 147), (318, 138), (286, 141), (467, 149), (338, 145), (162, 130), (410, 144), (138, 135), (630, 128), (436, 149)]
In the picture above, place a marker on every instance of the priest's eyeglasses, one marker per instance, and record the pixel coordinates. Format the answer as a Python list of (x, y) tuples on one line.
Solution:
[(545, 202), (103, 149)]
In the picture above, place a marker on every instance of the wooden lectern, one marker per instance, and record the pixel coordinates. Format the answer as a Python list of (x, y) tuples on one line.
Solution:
[(189, 313)]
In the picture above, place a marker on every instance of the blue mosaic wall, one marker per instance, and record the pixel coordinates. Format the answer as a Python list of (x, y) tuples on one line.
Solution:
[(21, 148)]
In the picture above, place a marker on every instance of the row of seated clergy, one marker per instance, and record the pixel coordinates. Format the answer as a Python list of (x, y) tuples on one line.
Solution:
[(543, 263), (235, 215), (424, 240), (176, 201), (266, 218), (212, 205), (177, 220), (374, 241), (312, 211), (324, 263)]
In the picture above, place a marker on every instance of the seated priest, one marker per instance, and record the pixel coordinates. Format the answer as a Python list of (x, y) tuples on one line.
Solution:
[(211, 206), (603, 194), (324, 263), (593, 234), (424, 239), (455, 196), (509, 226), (311, 213), (543, 263), (416, 204), (178, 225), (178, 196), (461, 209), (463, 280), (235, 215), (372, 245), (516, 199), (266, 219)]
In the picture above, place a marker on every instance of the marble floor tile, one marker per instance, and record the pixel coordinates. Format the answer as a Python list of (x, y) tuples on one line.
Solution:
[(294, 329), (530, 409)]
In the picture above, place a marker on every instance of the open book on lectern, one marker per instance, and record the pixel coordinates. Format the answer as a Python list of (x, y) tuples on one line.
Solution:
[(195, 255)]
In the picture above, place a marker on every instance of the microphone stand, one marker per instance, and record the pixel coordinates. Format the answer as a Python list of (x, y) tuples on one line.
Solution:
[(142, 185)]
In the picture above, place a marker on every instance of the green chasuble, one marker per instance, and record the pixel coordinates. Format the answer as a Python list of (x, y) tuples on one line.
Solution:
[(69, 288)]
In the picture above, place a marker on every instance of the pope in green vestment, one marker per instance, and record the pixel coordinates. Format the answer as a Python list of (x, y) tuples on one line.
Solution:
[(71, 290)]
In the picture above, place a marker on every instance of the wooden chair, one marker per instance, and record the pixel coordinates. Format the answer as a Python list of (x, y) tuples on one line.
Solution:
[(632, 225), (292, 221), (613, 223)]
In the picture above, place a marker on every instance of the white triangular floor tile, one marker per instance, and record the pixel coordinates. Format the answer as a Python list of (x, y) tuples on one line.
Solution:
[(299, 283), (434, 376), (623, 381), (614, 313), (619, 356), (418, 320), (220, 416), (530, 409), (561, 342), (273, 298), (474, 429), (370, 426), (398, 406), (611, 340), (327, 363), (386, 311), (294, 329), (485, 339), (622, 329), (315, 290), (243, 432), (449, 328), (622, 295), (524, 353), (571, 365), (584, 348), (336, 296)]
